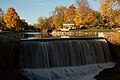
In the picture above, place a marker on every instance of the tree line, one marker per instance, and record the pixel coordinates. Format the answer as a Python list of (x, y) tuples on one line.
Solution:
[(11, 21), (108, 16)]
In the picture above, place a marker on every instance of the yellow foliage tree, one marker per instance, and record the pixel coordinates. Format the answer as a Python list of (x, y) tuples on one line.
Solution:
[(110, 15), (106, 9), (58, 18), (114, 38), (70, 13), (117, 16), (12, 19)]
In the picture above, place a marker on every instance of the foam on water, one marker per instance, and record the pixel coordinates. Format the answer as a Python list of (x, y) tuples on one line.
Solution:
[(64, 59), (86, 72)]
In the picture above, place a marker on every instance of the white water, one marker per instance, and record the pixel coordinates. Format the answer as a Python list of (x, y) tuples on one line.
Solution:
[(86, 72)]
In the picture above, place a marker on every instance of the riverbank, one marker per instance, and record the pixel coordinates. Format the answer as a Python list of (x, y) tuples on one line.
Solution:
[(94, 30), (8, 35), (9, 56), (112, 73), (83, 33)]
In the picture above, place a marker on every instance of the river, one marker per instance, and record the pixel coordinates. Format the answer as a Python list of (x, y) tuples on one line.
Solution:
[(58, 35)]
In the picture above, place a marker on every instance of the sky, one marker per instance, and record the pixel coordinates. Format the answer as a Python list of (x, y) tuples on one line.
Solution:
[(31, 10)]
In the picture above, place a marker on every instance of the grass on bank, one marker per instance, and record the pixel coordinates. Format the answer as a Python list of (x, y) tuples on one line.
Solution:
[(94, 30)]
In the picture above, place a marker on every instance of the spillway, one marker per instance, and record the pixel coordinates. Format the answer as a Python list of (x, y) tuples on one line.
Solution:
[(52, 57)]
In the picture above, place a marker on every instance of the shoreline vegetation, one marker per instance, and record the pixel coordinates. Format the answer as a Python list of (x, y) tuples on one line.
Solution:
[(112, 73), (76, 16)]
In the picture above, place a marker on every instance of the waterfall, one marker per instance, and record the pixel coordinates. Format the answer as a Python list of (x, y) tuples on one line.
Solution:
[(64, 59), (63, 53)]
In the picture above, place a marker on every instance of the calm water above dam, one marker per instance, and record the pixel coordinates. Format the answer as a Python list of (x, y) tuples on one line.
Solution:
[(58, 35)]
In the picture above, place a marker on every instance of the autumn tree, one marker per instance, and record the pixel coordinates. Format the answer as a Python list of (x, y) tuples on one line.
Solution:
[(116, 17), (70, 13), (44, 23), (98, 20), (58, 16), (49, 21), (12, 19), (106, 9), (108, 12), (117, 2), (84, 15), (2, 24), (1, 15), (36, 25), (82, 3), (23, 25), (41, 23)]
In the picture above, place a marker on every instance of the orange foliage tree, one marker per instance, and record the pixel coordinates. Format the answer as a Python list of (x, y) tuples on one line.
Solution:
[(70, 13), (12, 19), (84, 15)]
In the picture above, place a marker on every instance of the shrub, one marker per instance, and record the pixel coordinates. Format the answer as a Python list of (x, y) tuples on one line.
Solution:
[(114, 39)]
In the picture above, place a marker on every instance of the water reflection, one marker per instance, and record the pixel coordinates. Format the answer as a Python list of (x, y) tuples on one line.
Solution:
[(58, 35), (65, 36), (35, 35)]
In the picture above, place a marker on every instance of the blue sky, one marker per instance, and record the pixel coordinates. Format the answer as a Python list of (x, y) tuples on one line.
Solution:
[(31, 10)]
